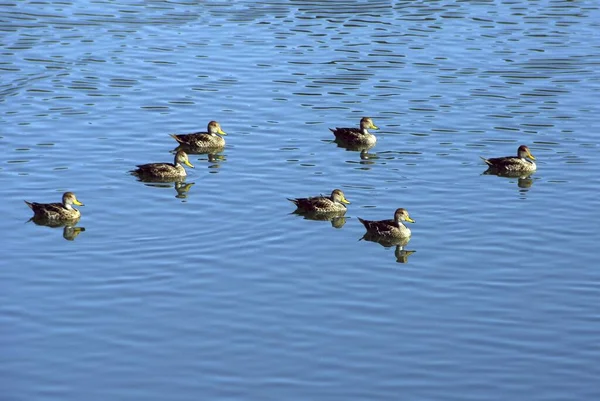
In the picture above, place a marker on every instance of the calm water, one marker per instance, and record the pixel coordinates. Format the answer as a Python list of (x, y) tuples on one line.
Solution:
[(215, 291)]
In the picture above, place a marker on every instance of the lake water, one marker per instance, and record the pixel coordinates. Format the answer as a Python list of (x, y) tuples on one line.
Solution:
[(216, 291)]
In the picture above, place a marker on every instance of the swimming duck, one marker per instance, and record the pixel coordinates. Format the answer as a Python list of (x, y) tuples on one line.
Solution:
[(57, 211), (510, 164), (357, 136), (164, 170), (389, 228), (322, 204), (209, 139)]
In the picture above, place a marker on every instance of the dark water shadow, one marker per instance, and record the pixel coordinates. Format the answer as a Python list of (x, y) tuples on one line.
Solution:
[(400, 253), (70, 230)]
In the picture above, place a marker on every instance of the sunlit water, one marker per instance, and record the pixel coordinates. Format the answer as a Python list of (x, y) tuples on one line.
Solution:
[(215, 290)]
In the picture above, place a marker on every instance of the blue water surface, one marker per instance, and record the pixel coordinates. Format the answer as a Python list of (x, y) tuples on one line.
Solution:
[(212, 288)]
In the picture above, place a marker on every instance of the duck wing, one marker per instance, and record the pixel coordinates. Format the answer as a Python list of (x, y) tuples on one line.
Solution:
[(188, 139)]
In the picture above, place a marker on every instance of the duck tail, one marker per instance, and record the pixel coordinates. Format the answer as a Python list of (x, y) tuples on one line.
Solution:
[(174, 136), (363, 221), (486, 161), (295, 201), (29, 204)]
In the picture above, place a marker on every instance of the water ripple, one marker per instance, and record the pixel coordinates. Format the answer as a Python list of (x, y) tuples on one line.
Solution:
[(215, 275)]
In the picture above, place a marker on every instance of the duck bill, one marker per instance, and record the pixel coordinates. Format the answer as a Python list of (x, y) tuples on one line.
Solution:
[(187, 163), (409, 219), (373, 126), (346, 201), (530, 156), (76, 202), (221, 132)]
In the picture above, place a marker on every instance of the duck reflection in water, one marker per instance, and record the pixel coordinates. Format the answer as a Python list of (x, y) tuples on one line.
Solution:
[(363, 149), (365, 156), (524, 180), (181, 187), (213, 157), (337, 219), (216, 160), (70, 230), (400, 253)]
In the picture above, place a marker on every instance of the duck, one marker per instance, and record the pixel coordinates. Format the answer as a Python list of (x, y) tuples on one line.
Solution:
[(357, 136), (335, 203), (57, 211), (209, 139), (164, 170), (513, 164), (389, 228)]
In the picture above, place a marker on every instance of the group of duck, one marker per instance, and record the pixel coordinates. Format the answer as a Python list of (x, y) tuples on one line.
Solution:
[(318, 207), (64, 214), (393, 231)]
